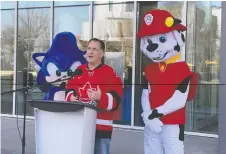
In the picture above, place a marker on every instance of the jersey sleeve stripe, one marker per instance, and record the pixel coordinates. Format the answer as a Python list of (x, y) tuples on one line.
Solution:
[(104, 122), (110, 101), (69, 95), (117, 99)]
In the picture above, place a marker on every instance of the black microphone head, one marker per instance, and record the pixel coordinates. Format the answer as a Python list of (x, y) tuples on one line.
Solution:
[(77, 72)]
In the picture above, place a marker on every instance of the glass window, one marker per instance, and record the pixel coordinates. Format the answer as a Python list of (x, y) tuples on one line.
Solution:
[(202, 54), (64, 3), (28, 4), (7, 60), (116, 29), (129, 7), (106, 2), (75, 20), (33, 36), (8, 5), (176, 8), (110, 5)]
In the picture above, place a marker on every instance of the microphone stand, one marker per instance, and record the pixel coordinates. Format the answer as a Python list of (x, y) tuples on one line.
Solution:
[(24, 121), (25, 91)]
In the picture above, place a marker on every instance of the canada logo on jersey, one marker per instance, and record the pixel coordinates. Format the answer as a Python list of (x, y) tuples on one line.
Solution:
[(83, 92)]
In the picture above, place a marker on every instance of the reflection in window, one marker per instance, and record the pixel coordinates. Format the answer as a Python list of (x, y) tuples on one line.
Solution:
[(116, 29), (106, 2), (75, 20), (110, 5), (175, 8), (33, 36), (8, 5), (202, 54), (26, 4), (7, 60), (64, 3), (129, 7)]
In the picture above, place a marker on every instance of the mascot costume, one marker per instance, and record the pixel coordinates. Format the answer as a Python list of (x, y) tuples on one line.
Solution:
[(169, 83), (59, 62)]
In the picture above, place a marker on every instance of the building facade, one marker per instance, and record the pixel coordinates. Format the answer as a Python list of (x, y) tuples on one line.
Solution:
[(29, 27)]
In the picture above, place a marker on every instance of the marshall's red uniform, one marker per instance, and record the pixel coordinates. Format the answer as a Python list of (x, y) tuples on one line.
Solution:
[(111, 88), (164, 84)]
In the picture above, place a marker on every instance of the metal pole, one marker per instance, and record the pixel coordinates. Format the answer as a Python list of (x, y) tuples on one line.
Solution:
[(24, 122), (52, 22), (91, 20), (222, 96), (134, 61), (15, 58)]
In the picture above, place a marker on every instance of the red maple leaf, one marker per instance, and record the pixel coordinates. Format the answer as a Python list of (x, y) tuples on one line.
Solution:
[(83, 92)]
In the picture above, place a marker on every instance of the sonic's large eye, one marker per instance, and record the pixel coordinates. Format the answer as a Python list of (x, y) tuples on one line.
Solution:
[(162, 39), (53, 70), (58, 73), (69, 72)]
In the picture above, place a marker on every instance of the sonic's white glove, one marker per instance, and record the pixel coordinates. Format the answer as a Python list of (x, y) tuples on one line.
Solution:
[(155, 124)]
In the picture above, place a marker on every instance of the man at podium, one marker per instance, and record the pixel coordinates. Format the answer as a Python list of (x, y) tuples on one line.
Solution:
[(100, 83)]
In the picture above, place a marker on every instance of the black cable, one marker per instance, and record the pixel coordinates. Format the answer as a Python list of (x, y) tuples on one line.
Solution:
[(17, 117)]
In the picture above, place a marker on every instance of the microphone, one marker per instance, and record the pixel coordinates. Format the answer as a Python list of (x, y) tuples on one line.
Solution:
[(65, 78), (76, 72), (71, 75)]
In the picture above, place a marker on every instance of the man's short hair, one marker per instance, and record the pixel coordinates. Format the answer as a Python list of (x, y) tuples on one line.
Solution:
[(102, 44)]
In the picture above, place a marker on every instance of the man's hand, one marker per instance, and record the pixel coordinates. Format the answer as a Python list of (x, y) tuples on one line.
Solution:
[(94, 95), (74, 98)]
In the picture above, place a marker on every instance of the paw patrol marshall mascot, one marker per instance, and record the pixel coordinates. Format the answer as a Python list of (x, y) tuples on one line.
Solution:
[(169, 83)]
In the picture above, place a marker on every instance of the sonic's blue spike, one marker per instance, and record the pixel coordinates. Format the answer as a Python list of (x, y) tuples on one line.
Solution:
[(34, 57), (65, 43)]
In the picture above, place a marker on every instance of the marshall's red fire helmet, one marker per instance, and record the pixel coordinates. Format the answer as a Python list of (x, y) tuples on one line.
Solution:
[(159, 22)]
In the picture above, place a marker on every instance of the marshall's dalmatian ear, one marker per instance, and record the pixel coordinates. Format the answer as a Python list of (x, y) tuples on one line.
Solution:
[(179, 36), (182, 35)]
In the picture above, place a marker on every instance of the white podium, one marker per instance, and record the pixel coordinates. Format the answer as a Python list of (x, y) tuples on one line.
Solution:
[(64, 127)]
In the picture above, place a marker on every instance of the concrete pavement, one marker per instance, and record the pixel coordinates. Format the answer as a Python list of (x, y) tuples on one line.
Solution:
[(123, 141)]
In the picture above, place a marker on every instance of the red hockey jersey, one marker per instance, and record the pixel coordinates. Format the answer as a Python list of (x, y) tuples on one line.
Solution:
[(111, 88), (163, 85)]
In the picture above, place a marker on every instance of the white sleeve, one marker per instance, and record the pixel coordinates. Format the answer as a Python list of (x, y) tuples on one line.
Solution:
[(145, 95), (176, 102), (145, 100)]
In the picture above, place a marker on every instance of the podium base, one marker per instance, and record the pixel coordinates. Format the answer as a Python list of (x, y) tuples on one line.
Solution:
[(65, 132)]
